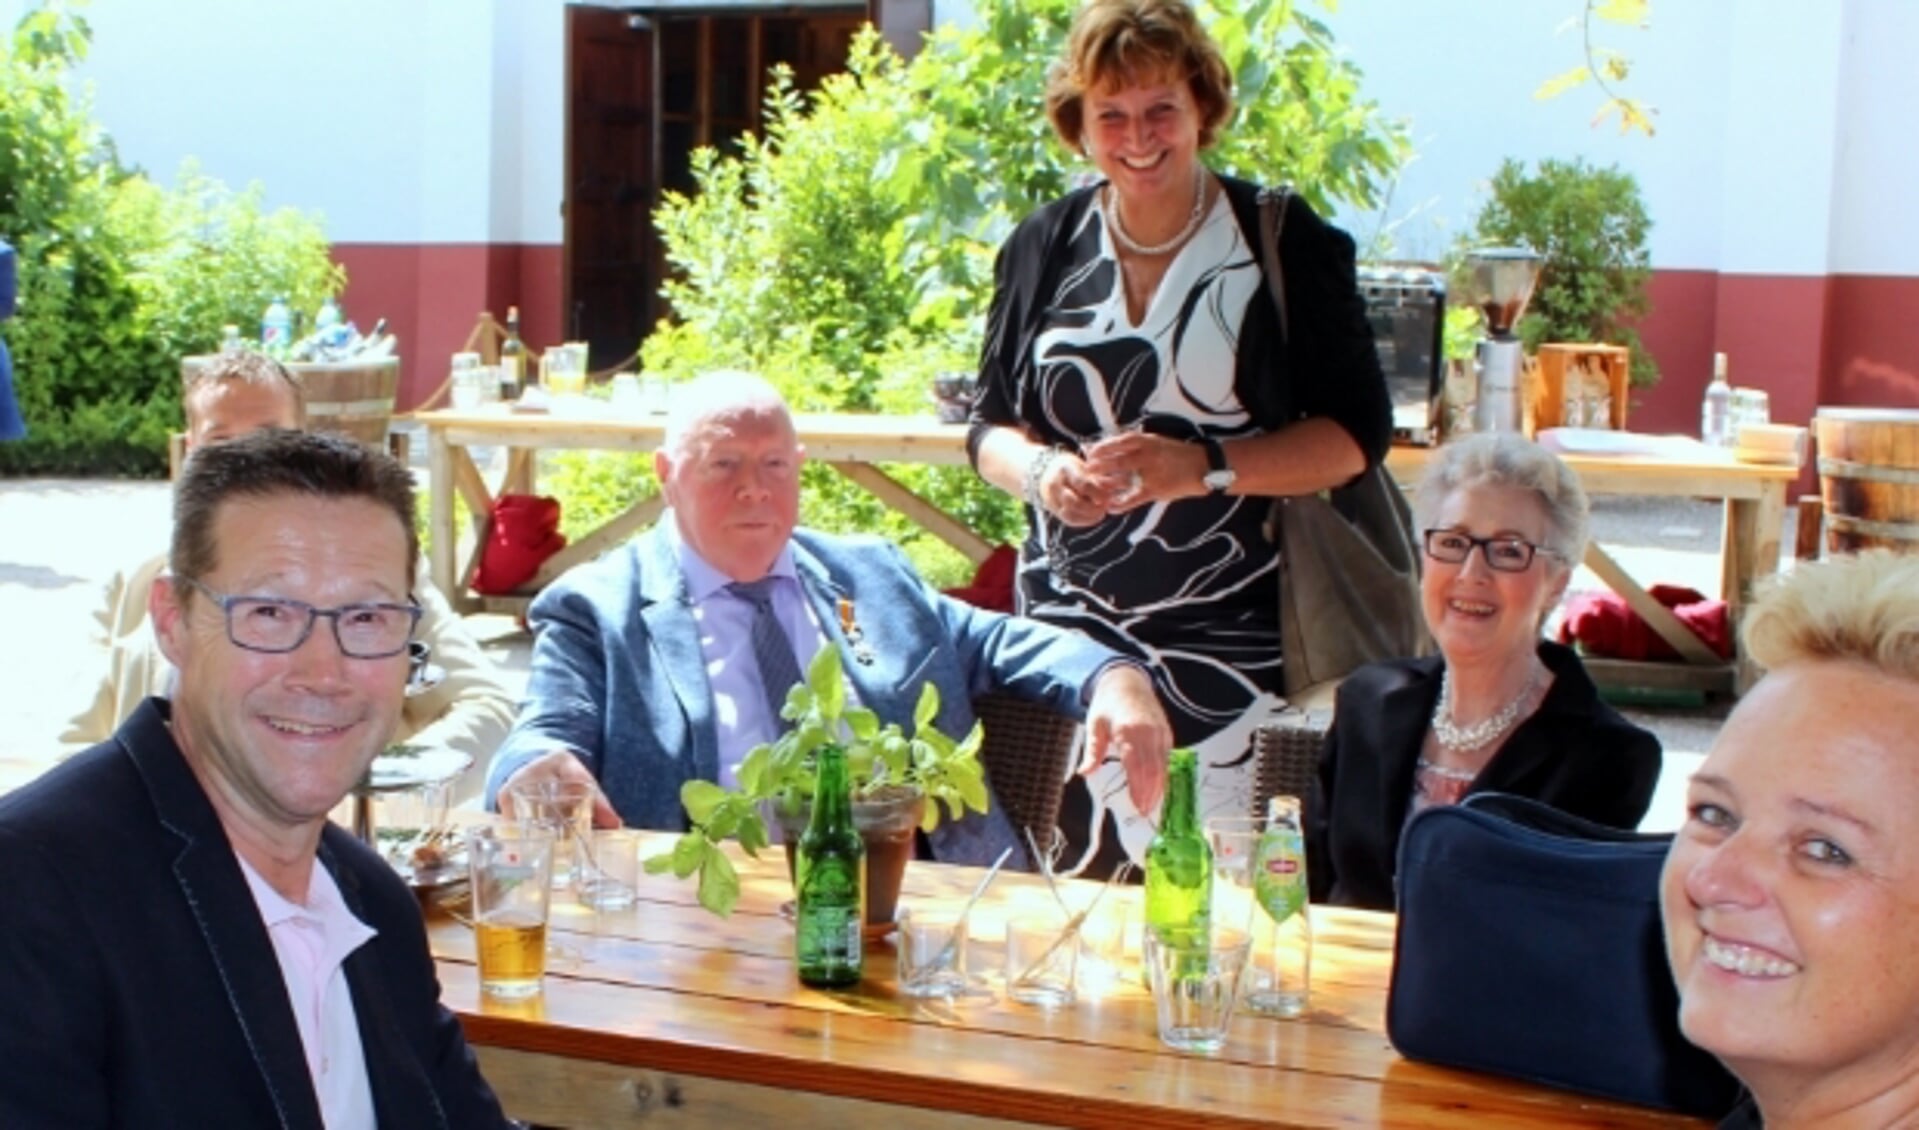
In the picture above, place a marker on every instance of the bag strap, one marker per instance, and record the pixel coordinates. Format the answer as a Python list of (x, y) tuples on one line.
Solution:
[(1272, 221)]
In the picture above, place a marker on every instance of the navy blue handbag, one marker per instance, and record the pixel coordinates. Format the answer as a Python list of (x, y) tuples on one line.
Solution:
[(1529, 946)]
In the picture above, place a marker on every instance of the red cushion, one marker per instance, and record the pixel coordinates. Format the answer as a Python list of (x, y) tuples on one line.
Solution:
[(1603, 624), (525, 532)]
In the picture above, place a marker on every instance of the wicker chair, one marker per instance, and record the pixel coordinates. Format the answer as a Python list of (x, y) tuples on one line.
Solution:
[(1027, 753), (1286, 748)]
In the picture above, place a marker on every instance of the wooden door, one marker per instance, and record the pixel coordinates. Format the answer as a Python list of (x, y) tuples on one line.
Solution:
[(610, 254)]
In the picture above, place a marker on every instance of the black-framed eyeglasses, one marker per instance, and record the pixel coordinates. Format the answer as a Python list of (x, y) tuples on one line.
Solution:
[(274, 625), (1505, 553)]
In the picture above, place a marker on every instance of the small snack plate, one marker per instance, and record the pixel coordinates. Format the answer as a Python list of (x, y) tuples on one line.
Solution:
[(404, 766)]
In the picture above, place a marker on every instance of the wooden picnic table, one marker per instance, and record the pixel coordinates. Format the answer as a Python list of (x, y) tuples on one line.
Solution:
[(859, 445), (665, 1015)]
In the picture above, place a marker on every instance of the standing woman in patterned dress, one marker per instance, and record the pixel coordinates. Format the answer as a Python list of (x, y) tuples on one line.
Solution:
[(1137, 394)]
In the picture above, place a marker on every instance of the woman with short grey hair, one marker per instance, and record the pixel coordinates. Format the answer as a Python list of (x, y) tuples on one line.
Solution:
[(1503, 523)]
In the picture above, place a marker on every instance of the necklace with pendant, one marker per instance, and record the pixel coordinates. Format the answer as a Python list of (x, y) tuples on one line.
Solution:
[(1179, 237), (1457, 739)]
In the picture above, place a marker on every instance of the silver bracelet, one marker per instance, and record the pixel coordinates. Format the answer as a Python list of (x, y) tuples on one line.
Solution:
[(1036, 469)]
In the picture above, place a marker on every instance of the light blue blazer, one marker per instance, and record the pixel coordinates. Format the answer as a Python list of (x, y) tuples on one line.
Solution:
[(618, 677)]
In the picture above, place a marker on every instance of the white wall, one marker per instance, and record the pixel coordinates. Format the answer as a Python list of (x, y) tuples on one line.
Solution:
[(1876, 161), (401, 121)]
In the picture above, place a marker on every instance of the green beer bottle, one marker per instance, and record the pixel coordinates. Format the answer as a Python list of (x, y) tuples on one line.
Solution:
[(830, 878), (1179, 861)]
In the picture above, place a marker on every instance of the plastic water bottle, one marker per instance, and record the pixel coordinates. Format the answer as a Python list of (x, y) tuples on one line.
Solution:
[(1715, 415), (327, 318), (230, 339), (276, 329)]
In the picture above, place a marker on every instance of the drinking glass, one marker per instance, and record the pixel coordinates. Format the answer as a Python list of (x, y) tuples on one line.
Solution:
[(565, 810), (609, 875), (1195, 985), (465, 392), (410, 826), (1234, 840), (1041, 959), (563, 370), (932, 946), (509, 866)]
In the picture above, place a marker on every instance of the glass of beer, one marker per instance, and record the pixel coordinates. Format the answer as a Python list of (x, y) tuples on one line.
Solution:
[(511, 867)]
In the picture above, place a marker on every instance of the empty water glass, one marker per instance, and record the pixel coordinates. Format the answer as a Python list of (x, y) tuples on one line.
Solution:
[(1234, 840), (1041, 959), (1195, 985), (609, 877), (932, 945), (565, 810)]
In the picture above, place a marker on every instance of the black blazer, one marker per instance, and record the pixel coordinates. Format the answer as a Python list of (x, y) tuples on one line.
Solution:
[(139, 983), (1575, 753)]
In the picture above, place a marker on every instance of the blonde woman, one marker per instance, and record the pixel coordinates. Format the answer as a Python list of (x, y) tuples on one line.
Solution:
[(1791, 896)]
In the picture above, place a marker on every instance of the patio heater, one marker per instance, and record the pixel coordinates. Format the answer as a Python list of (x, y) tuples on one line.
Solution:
[(1501, 283)]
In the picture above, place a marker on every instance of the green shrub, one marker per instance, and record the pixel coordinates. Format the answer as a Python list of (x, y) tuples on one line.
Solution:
[(1591, 226), (119, 277), (203, 256)]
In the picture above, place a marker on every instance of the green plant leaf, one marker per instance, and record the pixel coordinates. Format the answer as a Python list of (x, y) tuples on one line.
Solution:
[(1632, 12), (862, 723), (823, 677), (1561, 83), (700, 798), (690, 852), (753, 834), (928, 707), (719, 884)]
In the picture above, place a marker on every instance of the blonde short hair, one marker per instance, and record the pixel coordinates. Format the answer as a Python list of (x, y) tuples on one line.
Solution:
[(1864, 608), (1502, 459), (1129, 42)]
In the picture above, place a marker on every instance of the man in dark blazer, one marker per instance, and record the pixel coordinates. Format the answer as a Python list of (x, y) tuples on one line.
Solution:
[(187, 941), (643, 679)]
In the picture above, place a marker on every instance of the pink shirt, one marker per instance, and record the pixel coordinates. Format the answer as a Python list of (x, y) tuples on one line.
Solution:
[(312, 943)]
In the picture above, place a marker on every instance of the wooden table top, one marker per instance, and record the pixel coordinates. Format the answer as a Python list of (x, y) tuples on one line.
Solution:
[(670, 988)]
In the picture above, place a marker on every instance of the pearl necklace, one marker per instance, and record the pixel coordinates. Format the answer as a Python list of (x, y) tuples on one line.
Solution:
[(1457, 739), (1179, 237)]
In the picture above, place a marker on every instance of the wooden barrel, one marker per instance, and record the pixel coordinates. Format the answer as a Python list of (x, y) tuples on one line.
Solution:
[(1869, 477), (352, 398)]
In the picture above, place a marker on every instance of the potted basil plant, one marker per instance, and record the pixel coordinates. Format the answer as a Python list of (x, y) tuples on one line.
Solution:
[(900, 782)]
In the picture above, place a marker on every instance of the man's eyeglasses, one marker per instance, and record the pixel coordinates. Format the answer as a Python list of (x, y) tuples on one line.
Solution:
[(274, 626), (1506, 554)]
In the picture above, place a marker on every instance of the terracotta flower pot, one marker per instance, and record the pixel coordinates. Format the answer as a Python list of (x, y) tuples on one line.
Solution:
[(885, 822)]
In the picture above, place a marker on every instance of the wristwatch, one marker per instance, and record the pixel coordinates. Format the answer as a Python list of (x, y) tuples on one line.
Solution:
[(1220, 478)]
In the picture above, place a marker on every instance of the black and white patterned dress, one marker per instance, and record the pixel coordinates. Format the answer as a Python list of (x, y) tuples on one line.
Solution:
[(1190, 587)]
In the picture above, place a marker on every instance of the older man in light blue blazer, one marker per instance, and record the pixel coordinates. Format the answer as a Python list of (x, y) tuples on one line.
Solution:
[(644, 674)]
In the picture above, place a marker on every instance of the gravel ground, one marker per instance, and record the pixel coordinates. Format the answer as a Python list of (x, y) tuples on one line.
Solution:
[(63, 539)]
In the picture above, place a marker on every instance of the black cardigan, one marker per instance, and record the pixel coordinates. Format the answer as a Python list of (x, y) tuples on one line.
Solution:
[(1574, 753), (1330, 343)]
